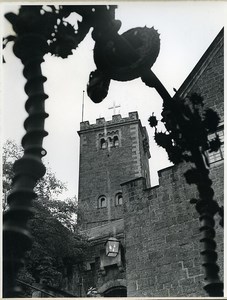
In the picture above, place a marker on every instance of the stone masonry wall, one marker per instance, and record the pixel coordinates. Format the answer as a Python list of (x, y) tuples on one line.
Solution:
[(91, 274), (103, 170), (210, 82), (162, 236)]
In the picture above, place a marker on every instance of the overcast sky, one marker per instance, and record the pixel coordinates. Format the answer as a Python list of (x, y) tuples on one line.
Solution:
[(186, 31)]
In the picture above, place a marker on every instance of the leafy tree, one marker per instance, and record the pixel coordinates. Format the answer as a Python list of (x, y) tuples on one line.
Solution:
[(57, 245), (65, 212), (11, 152), (48, 188), (55, 249)]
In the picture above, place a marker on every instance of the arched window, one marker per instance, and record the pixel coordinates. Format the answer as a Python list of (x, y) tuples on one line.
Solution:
[(103, 143), (118, 199), (102, 202), (110, 142), (116, 141)]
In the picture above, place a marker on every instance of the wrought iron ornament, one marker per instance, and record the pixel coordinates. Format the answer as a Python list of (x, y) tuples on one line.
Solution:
[(123, 57)]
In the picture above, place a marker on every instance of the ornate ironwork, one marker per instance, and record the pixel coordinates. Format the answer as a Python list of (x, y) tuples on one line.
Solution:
[(29, 169), (124, 57)]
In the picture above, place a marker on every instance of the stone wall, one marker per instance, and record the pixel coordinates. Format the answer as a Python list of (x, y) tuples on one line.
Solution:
[(103, 170), (162, 236), (207, 78), (211, 84), (91, 275)]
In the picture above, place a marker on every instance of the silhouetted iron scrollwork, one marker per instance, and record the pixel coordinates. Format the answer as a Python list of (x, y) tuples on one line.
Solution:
[(38, 30), (124, 57)]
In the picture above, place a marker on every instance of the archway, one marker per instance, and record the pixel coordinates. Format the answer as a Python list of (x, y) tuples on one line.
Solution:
[(114, 288), (117, 291)]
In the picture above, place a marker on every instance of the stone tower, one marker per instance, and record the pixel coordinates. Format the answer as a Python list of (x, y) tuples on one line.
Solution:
[(111, 153)]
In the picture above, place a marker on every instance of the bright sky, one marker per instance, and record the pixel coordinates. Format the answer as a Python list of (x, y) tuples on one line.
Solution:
[(186, 30)]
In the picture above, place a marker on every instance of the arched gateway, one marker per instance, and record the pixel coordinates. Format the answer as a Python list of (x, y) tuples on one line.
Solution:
[(117, 291), (114, 288)]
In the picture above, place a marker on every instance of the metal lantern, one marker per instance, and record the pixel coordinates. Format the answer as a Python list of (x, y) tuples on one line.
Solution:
[(112, 247)]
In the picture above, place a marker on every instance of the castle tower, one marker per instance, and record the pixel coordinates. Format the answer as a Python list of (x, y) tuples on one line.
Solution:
[(111, 153)]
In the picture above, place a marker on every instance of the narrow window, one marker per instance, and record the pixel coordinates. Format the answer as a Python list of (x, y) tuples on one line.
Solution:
[(110, 142), (116, 141), (102, 202), (218, 155), (118, 199), (103, 143)]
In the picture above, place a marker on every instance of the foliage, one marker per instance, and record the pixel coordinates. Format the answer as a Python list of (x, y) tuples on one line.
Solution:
[(54, 251), (26, 277), (57, 244), (11, 152), (64, 211), (48, 187), (55, 248)]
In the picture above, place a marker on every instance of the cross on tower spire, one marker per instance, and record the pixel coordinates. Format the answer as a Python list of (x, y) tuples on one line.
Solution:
[(114, 107)]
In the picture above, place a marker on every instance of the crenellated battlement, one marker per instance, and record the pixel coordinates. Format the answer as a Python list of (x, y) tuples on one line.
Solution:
[(115, 120)]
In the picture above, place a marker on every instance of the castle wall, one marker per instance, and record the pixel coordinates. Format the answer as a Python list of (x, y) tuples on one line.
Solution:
[(162, 236)]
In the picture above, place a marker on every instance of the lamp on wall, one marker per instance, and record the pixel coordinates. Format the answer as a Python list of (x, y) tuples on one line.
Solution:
[(112, 247)]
